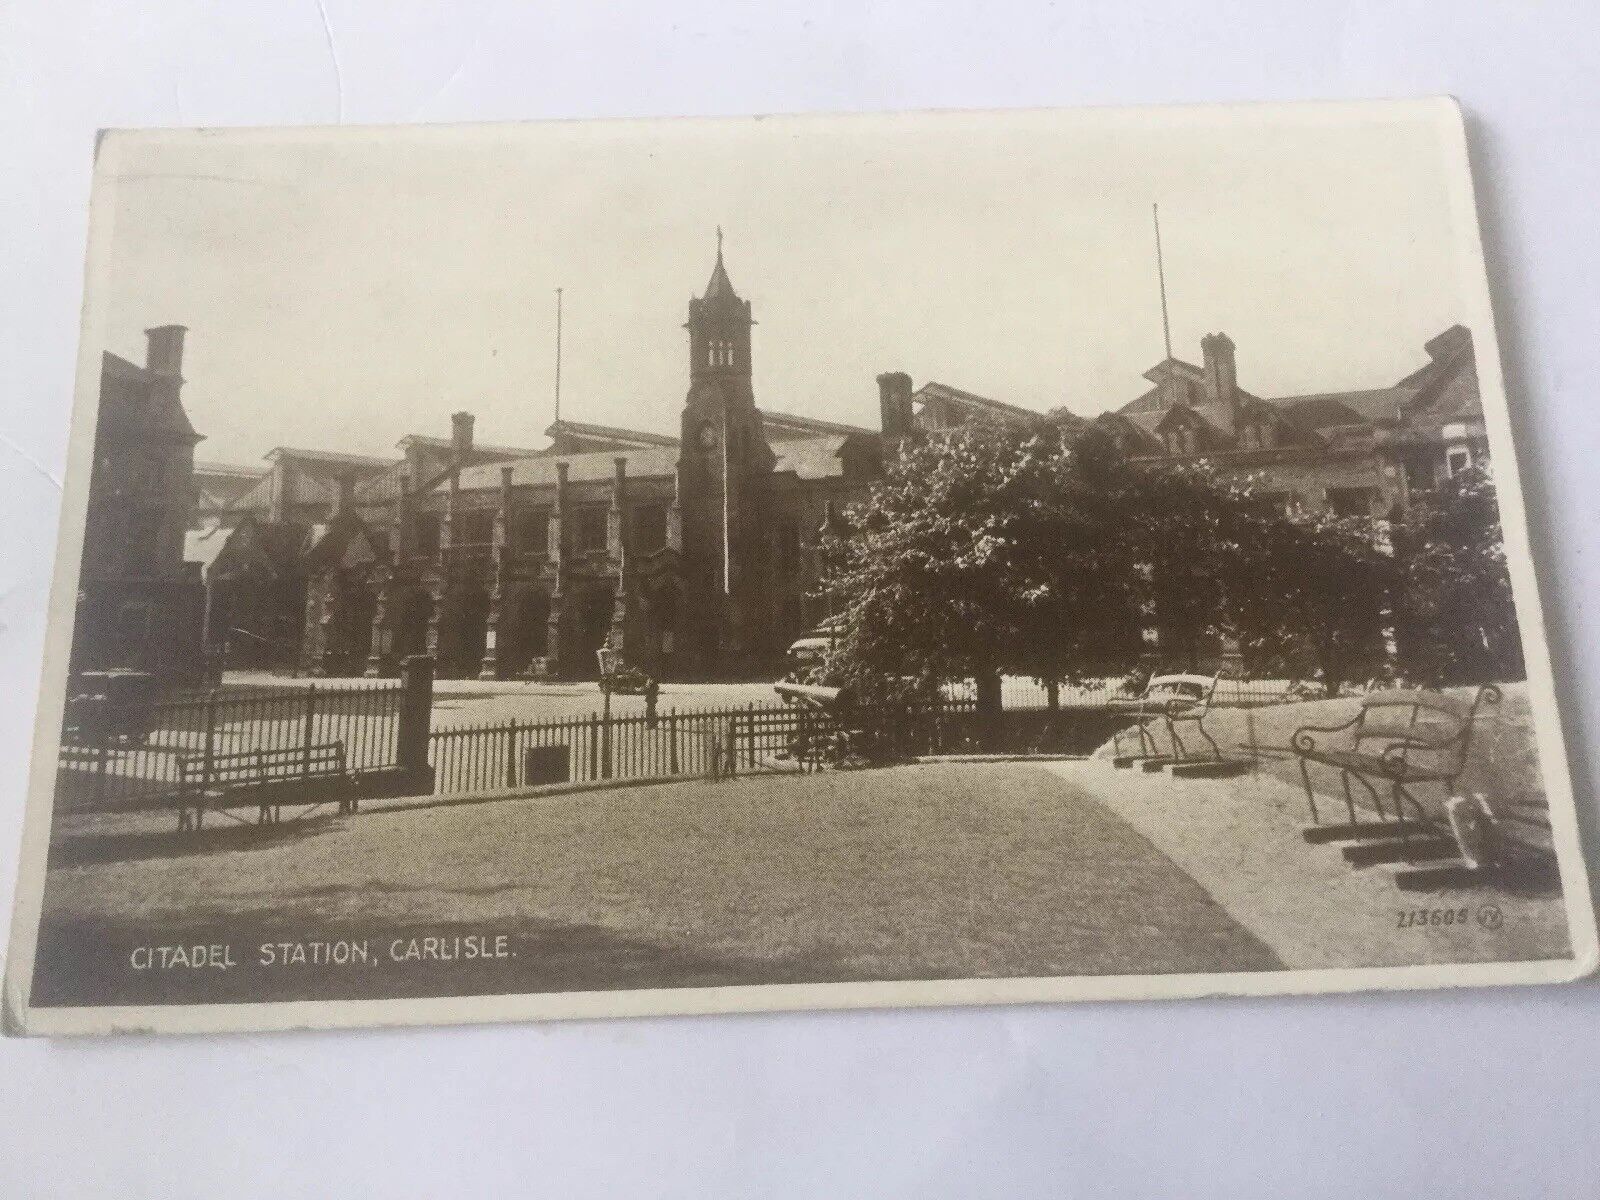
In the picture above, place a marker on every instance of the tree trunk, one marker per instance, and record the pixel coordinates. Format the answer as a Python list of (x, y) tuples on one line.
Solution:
[(1332, 664), (988, 703)]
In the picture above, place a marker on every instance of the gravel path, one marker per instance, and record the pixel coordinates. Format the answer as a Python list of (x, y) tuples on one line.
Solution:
[(1241, 838)]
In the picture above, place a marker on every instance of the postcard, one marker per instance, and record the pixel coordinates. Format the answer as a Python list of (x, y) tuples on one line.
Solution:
[(604, 568)]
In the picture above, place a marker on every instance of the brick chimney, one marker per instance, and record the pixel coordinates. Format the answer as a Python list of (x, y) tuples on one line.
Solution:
[(163, 354), (461, 435), (894, 404), (1221, 376)]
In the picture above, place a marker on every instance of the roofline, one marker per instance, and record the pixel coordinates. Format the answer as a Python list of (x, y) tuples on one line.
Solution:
[(803, 422), (123, 365), (614, 432), (1165, 366), (218, 468), (982, 401), (570, 458), (328, 456), (448, 443)]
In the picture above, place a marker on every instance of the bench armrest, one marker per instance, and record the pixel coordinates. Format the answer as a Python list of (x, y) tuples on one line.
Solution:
[(1304, 740)]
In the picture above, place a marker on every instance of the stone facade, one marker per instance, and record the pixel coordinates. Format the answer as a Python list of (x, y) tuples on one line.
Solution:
[(139, 603)]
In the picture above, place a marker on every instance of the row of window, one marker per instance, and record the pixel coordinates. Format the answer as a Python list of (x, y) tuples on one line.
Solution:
[(1253, 435), (1342, 501)]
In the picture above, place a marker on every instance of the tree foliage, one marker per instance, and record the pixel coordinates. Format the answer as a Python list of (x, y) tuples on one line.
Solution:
[(1457, 621), (981, 553)]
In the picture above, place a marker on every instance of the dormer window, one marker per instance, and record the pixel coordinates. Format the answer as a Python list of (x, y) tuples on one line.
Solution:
[(1181, 440), (1256, 434)]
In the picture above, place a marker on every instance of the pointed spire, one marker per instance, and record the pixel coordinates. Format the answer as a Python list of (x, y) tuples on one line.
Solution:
[(720, 287)]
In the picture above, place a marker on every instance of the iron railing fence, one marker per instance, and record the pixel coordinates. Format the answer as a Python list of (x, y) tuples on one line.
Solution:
[(111, 774), (97, 773), (708, 741), (686, 743), (1021, 694)]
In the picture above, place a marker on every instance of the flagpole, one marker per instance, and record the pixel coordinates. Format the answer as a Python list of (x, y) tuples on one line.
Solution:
[(1161, 276), (558, 356)]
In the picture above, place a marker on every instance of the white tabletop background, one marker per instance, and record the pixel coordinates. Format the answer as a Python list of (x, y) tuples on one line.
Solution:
[(1489, 1093)]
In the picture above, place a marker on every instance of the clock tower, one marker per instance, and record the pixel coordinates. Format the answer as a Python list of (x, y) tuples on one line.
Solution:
[(724, 467)]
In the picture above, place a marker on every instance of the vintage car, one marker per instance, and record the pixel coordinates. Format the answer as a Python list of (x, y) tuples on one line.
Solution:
[(811, 647), (619, 679), (115, 705)]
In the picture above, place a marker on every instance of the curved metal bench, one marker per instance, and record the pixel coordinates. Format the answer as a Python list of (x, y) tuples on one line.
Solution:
[(1398, 738), (1173, 699)]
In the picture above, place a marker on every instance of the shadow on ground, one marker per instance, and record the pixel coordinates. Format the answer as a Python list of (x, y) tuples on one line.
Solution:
[(90, 849)]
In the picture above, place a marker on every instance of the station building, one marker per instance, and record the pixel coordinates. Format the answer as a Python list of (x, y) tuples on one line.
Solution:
[(696, 556), (1369, 452)]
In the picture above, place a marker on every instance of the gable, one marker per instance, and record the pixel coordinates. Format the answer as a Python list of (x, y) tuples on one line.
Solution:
[(253, 546)]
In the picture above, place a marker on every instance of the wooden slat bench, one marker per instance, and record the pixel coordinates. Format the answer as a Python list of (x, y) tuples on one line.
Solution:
[(263, 778), (1397, 739)]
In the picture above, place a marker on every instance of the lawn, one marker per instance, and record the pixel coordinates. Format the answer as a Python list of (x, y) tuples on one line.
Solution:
[(992, 870)]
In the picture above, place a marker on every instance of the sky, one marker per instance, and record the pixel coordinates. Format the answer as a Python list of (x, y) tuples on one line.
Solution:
[(346, 287)]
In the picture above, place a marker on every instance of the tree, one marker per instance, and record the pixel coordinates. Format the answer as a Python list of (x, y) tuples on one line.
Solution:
[(1226, 564), (981, 553), (1326, 594), (1198, 543), (1457, 619)]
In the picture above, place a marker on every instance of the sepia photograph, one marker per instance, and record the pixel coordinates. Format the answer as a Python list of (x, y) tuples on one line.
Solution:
[(599, 568)]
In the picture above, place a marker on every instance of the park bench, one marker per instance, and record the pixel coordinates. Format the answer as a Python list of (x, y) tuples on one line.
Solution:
[(265, 778), (1173, 700), (1397, 739), (819, 730)]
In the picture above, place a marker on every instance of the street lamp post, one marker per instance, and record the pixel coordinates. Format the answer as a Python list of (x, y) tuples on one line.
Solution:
[(607, 658)]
